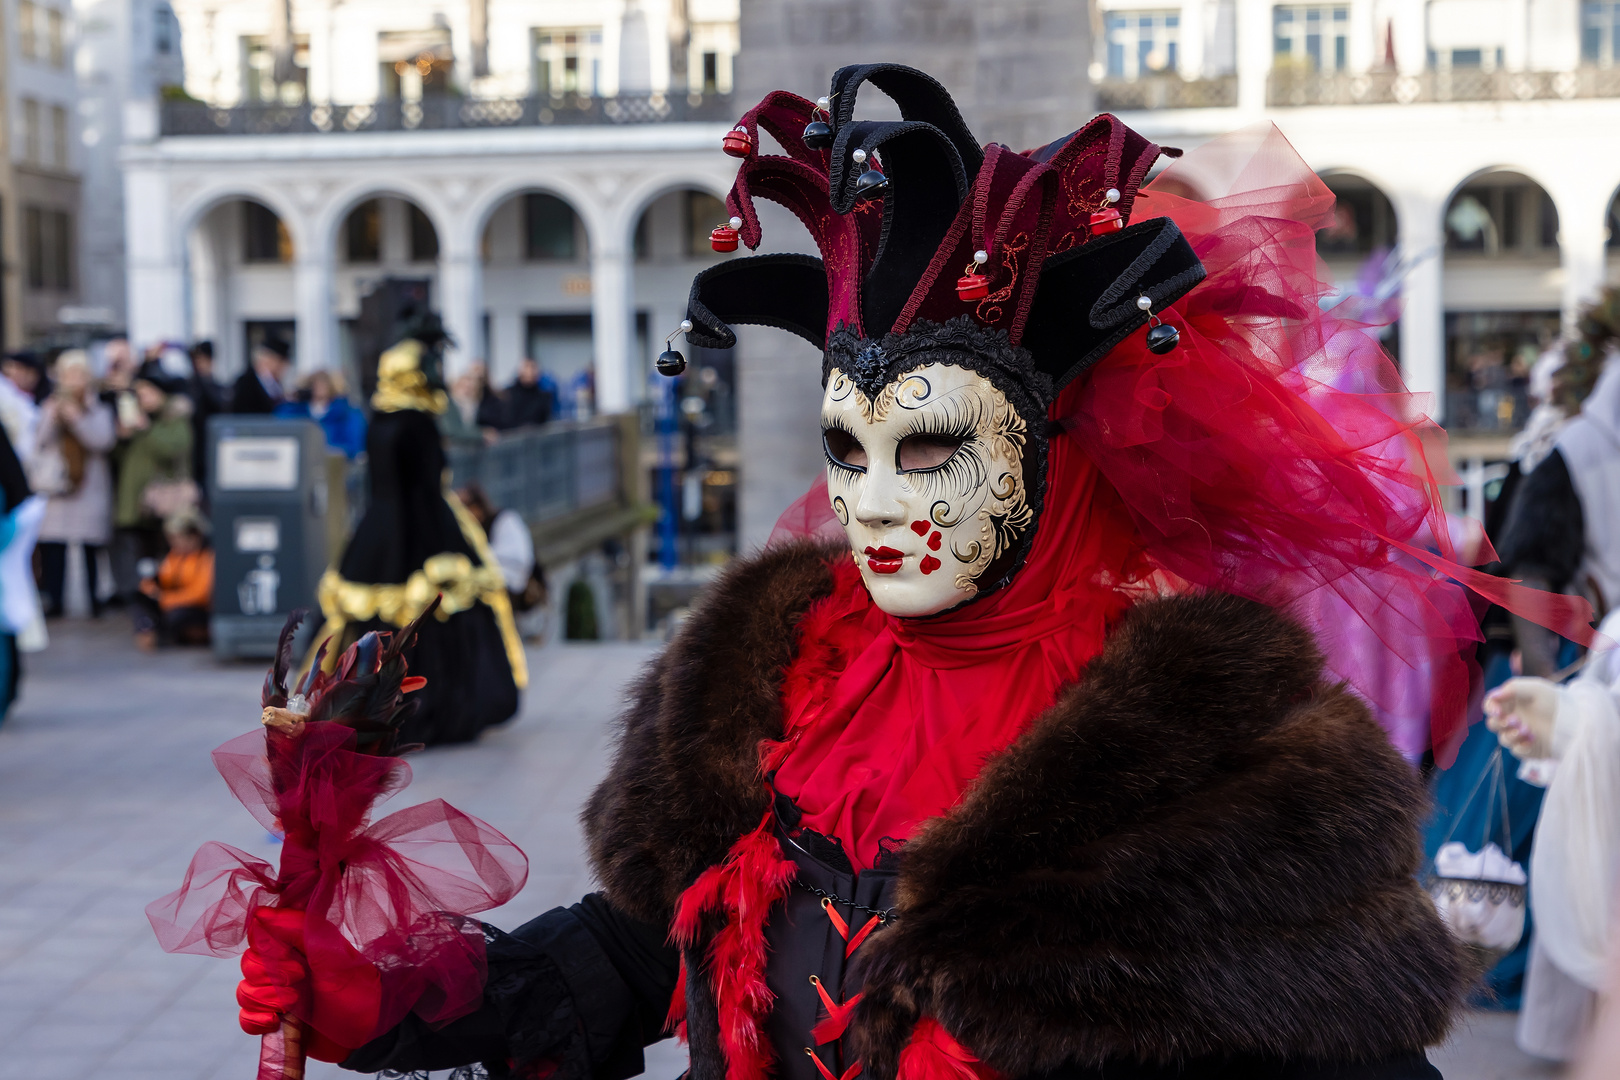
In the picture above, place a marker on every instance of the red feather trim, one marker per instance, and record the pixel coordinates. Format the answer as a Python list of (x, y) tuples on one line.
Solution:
[(836, 1022), (933, 1055), (742, 889)]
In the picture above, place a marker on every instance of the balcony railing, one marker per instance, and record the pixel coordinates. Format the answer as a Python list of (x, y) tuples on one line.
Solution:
[(1166, 92), (1289, 87), (441, 113), (547, 472)]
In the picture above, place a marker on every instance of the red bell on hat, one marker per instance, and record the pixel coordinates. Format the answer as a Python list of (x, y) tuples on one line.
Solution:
[(970, 287), (973, 285), (737, 143), (1106, 221), (724, 237)]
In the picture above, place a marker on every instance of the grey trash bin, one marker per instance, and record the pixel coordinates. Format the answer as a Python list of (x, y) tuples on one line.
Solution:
[(268, 501)]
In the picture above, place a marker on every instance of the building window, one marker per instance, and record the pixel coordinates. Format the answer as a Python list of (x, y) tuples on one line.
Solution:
[(163, 28), (415, 63), (264, 236), (48, 244), (56, 37), (59, 137), (259, 72), (1600, 32), (31, 131), (568, 62), (549, 225), (1499, 216), (1141, 42), (27, 32), (362, 233), (703, 213), (1316, 37), (1363, 220), (424, 238), (1488, 359), (711, 56)]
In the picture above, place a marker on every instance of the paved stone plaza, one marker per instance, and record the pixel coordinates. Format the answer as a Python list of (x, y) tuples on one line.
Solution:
[(106, 790)]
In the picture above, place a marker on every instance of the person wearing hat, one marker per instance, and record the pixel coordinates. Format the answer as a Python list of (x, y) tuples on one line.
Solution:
[(262, 386), (26, 370), (173, 605), (207, 399), (154, 473)]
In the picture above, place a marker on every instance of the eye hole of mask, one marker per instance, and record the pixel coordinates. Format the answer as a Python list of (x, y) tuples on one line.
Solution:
[(918, 453), (844, 448)]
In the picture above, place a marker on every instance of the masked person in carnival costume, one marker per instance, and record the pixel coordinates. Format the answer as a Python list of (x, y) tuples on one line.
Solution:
[(415, 542), (1011, 759)]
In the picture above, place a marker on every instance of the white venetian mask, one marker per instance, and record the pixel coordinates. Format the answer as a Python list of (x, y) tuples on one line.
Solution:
[(928, 482)]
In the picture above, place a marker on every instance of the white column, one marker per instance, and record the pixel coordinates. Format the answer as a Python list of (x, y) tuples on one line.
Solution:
[(461, 302), (1190, 62), (1582, 252), (156, 260), (314, 309), (612, 297), (1253, 53), (1423, 317), (1411, 37)]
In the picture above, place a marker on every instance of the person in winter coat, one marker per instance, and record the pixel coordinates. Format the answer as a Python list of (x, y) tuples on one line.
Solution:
[(1014, 757), (173, 605), (526, 403), (154, 474), (263, 385), (76, 433), (323, 401)]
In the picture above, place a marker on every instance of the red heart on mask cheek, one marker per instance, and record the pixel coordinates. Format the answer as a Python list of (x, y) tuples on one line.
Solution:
[(933, 542), (919, 527), (928, 565)]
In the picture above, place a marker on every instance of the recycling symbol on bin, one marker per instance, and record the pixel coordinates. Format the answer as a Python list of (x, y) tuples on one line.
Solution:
[(256, 592)]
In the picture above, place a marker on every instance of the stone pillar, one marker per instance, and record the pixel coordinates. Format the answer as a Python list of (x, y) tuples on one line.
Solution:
[(778, 428), (313, 300), (1423, 317), (461, 303), (1582, 247), (1253, 53), (157, 272), (612, 336)]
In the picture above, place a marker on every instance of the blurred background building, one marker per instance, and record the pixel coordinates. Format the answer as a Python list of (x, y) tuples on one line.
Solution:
[(546, 172)]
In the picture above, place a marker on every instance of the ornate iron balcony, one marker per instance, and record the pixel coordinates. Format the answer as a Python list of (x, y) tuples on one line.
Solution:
[(1295, 87), (1166, 92), (442, 113)]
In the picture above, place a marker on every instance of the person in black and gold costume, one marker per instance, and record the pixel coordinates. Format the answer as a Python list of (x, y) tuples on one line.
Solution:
[(415, 542)]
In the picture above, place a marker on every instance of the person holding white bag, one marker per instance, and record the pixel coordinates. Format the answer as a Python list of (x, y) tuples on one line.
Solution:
[(1569, 737)]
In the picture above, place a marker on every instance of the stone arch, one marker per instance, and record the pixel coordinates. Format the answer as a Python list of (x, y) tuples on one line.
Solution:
[(579, 199), (640, 199), (336, 210), (1510, 228), (1365, 216), (194, 209), (1499, 235)]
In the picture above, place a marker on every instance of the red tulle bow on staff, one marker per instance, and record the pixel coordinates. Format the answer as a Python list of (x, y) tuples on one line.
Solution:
[(355, 929)]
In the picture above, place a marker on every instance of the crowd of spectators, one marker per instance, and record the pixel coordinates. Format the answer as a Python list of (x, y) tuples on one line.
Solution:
[(115, 443)]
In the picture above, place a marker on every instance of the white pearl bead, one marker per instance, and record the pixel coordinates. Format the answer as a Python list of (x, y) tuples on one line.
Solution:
[(1145, 303), (821, 102), (859, 156), (1112, 195), (981, 256), (736, 223), (686, 325)]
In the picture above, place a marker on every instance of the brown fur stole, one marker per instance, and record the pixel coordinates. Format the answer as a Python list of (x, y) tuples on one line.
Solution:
[(1203, 848)]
